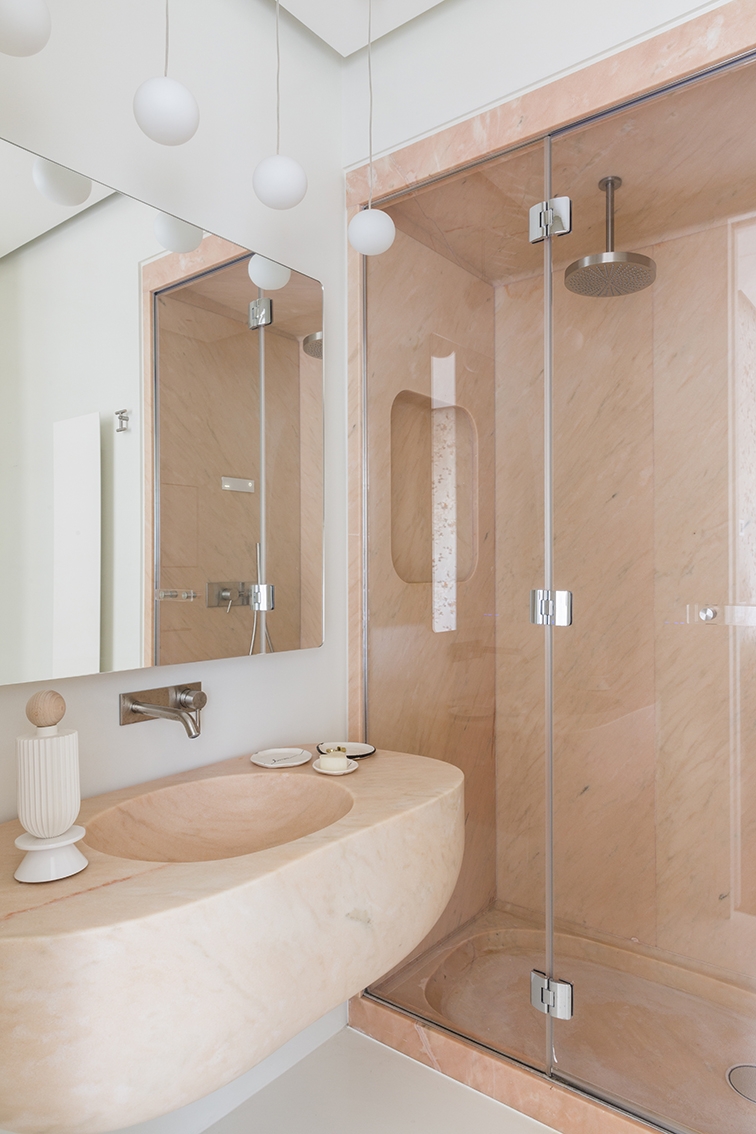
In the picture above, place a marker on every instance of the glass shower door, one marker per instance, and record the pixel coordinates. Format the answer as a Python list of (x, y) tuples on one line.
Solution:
[(454, 405), (654, 451)]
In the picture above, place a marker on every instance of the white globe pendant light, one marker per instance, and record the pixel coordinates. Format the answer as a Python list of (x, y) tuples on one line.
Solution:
[(59, 184), (166, 111), (279, 182), (267, 274), (177, 235), (24, 26), (371, 232)]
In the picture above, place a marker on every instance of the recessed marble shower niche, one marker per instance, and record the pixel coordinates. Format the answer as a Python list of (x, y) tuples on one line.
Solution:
[(434, 493)]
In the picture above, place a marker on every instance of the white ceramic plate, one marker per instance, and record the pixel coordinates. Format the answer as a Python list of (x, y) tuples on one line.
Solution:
[(352, 766), (353, 749), (280, 757)]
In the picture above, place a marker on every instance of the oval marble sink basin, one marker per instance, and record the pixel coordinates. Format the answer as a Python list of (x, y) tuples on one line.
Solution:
[(222, 911), (222, 817)]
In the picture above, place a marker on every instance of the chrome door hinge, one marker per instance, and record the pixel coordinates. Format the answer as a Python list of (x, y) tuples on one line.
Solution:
[(550, 218), (260, 313), (552, 997), (262, 596), (551, 608)]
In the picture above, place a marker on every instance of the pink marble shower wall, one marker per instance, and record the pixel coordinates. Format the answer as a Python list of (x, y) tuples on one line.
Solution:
[(432, 693), (646, 843)]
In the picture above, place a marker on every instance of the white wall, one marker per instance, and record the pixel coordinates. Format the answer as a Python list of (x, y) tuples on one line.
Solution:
[(466, 55), (72, 102)]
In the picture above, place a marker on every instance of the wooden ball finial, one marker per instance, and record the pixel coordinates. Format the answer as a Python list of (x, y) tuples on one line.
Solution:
[(46, 708)]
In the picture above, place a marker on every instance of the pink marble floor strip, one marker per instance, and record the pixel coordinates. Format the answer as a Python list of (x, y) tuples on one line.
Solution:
[(506, 1082)]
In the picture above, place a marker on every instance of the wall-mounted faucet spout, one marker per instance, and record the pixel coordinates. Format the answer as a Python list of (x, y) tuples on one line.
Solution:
[(175, 703), (169, 714)]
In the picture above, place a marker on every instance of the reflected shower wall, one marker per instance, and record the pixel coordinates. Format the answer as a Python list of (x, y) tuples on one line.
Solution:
[(208, 363)]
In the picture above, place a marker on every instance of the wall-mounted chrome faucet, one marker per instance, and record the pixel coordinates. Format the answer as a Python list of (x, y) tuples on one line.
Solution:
[(172, 703)]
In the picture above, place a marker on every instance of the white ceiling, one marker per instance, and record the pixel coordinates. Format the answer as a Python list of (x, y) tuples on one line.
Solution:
[(343, 23)]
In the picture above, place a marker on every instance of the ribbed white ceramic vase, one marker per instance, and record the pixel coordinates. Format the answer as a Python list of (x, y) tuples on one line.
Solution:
[(49, 796)]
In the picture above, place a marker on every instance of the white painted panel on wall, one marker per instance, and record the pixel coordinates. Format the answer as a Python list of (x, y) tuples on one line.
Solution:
[(76, 545), (343, 23)]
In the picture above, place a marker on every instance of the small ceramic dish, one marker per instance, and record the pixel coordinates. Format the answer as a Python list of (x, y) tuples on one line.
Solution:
[(352, 766), (280, 757), (352, 748)]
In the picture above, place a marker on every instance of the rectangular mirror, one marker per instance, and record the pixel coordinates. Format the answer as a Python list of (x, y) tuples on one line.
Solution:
[(161, 460)]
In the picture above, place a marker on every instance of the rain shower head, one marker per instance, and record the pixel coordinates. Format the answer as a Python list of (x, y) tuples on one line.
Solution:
[(610, 273), (313, 344)]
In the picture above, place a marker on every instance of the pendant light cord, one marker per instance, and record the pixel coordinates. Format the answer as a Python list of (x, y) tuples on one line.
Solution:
[(278, 77), (370, 103), (167, 38)]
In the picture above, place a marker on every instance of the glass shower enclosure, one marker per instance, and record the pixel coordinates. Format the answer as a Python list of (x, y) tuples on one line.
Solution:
[(537, 424)]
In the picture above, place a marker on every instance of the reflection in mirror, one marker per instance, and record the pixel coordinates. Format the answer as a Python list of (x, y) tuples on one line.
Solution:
[(80, 567), (240, 507)]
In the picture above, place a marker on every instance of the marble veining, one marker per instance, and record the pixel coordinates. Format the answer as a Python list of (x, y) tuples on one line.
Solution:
[(138, 986), (509, 1082)]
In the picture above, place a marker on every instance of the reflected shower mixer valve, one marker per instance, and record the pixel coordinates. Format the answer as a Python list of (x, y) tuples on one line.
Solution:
[(258, 596)]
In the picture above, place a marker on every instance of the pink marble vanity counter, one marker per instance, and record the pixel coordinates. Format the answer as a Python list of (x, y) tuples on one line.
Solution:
[(138, 986)]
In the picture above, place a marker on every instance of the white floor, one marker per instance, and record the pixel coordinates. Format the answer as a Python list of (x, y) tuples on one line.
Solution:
[(355, 1085)]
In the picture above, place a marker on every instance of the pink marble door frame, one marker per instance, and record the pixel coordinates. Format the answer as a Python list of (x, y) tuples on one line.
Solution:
[(681, 52)]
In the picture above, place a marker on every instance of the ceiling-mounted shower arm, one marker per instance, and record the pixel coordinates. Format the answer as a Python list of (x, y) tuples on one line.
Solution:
[(609, 185), (610, 273)]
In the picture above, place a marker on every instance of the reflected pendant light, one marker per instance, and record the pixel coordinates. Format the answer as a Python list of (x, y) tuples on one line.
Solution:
[(371, 231), (59, 184), (279, 181), (24, 26), (268, 274), (177, 235), (164, 109)]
